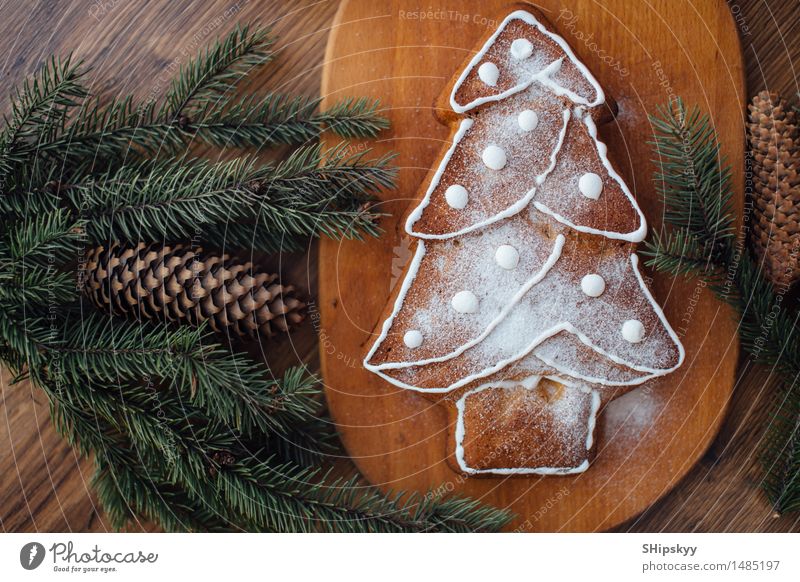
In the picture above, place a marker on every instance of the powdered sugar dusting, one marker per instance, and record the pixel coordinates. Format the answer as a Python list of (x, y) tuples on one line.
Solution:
[(468, 262), (494, 421), (551, 62), (527, 295), (495, 185), (632, 415)]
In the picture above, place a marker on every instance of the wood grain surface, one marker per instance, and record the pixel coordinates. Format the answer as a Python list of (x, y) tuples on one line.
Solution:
[(404, 52), (44, 487)]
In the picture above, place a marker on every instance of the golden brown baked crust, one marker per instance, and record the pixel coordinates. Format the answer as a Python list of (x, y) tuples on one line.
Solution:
[(521, 348)]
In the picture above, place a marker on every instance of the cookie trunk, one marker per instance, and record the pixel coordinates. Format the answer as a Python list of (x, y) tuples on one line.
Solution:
[(542, 427)]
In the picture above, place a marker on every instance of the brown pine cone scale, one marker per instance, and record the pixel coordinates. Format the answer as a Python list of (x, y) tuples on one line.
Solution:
[(179, 283)]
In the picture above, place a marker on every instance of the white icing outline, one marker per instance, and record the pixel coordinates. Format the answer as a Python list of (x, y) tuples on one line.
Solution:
[(660, 313), (546, 334), (416, 214), (398, 303), (542, 76), (528, 383), (635, 236), (555, 254)]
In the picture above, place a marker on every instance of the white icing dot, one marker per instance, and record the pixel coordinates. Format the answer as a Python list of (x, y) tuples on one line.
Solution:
[(593, 285), (456, 196), (489, 73), (412, 338), (465, 302), (590, 185), (528, 120), (633, 331), (521, 48), (507, 257), (494, 157)]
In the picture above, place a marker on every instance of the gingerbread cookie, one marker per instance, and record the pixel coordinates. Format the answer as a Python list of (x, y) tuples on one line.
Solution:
[(523, 307)]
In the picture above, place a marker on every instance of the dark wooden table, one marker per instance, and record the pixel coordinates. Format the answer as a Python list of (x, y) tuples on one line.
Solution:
[(45, 487)]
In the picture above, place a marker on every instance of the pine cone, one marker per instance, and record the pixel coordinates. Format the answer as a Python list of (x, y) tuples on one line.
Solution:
[(775, 143), (177, 283)]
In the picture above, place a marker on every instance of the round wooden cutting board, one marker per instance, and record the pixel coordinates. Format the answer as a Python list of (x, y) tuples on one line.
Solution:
[(643, 53)]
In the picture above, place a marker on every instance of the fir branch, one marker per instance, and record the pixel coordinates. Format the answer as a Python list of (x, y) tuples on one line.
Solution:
[(46, 239), (125, 486), (284, 120), (196, 108), (354, 118), (23, 343), (32, 189), (183, 431), (115, 130), (694, 180), (310, 193), (126, 491), (679, 252), (33, 290), (324, 191), (39, 108), (254, 490), (781, 456), (118, 130), (306, 444), (300, 500), (210, 77), (226, 385), (242, 395), (173, 200)]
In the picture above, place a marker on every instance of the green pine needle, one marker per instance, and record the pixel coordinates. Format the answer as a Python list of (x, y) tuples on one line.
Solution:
[(236, 203), (183, 430), (211, 77), (701, 240), (39, 108)]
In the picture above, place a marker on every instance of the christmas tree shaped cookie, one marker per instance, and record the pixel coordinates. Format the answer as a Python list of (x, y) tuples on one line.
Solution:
[(523, 308)]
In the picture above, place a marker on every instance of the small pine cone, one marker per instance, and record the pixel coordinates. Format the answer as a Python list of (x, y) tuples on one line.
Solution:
[(775, 144), (177, 283)]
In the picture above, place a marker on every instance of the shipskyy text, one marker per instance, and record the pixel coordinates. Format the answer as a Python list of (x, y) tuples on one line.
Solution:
[(687, 551)]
